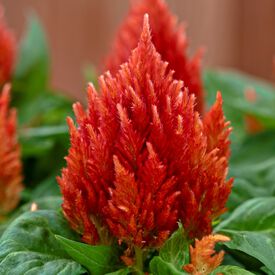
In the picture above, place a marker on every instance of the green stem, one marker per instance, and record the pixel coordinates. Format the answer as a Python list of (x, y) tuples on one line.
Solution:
[(139, 260)]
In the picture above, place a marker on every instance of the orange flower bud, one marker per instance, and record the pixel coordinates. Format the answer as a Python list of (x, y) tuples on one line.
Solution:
[(204, 258)]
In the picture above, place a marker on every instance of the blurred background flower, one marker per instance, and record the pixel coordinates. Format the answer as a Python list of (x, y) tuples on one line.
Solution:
[(235, 33)]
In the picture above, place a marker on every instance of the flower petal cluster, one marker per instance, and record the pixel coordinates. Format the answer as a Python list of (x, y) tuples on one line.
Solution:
[(204, 258), (169, 39), (10, 163), (7, 50), (141, 158)]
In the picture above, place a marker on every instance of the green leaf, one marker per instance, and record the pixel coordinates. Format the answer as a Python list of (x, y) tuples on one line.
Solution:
[(267, 271), (96, 259), (231, 270), (160, 267), (47, 188), (28, 246), (254, 215), (45, 108), (252, 165), (173, 255), (228, 259), (44, 131), (176, 249), (44, 203), (251, 228), (260, 245), (244, 190), (43, 151), (255, 151), (32, 68), (123, 271)]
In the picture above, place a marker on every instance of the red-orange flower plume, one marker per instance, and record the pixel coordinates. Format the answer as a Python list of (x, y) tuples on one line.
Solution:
[(169, 39), (141, 158), (204, 258), (10, 163), (7, 50)]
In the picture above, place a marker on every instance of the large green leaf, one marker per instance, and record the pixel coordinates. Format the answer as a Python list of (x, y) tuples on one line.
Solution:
[(98, 260), (251, 228), (43, 203), (173, 255), (29, 246)]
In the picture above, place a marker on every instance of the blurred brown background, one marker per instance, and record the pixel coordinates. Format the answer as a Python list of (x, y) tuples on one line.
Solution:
[(236, 33)]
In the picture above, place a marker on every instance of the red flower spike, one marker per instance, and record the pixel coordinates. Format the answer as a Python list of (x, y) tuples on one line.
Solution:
[(217, 130), (11, 167), (7, 50), (206, 192), (169, 39), (204, 259), (141, 158)]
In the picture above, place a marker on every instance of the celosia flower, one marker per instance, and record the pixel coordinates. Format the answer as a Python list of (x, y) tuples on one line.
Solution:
[(204, 258), (141, 158), (10, 163), (169, 39), (7, 50)]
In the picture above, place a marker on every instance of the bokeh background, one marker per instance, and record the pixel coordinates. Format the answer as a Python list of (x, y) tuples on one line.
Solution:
[(236, 33)]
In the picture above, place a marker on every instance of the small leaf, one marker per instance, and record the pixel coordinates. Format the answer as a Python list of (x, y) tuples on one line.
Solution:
[(176, 249), (173, 255), (97, 259), (160, 267), (28, 246), (230, 270)]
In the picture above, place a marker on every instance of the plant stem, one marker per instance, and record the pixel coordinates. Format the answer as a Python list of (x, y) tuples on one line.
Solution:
[(139, 260)]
